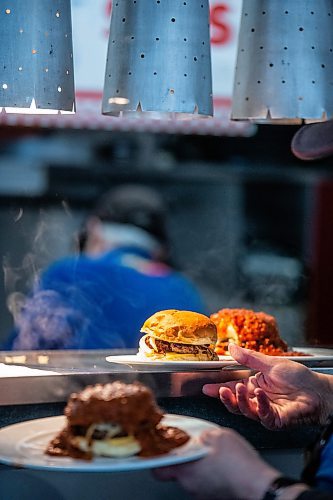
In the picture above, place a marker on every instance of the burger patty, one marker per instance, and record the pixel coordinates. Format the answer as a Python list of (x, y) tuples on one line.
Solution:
[(163, 346)]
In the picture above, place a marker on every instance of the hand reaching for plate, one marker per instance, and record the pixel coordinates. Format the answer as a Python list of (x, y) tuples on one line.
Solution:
[(280, 394)]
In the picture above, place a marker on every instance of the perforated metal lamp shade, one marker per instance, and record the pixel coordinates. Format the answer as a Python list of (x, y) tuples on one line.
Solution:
[(159, 59), (284, 70), (36, 56)]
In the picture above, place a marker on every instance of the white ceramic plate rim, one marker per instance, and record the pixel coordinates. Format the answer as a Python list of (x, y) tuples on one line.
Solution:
[(314, 355), (23, 445), (133, 360)]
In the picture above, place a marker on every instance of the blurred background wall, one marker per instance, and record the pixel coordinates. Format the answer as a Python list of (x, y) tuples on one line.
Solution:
[(248, 223), (243, 214)]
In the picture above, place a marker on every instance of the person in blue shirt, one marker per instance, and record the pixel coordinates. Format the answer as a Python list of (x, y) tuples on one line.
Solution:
[(100, 298)]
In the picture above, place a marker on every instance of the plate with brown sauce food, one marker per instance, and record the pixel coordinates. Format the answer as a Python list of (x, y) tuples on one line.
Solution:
[(114, 427), (259, 331)]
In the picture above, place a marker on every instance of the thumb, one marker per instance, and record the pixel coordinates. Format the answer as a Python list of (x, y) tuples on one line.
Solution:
[(252, 359), (212, 436)]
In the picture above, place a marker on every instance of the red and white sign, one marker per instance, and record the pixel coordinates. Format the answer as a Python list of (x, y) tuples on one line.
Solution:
[(91, 19)]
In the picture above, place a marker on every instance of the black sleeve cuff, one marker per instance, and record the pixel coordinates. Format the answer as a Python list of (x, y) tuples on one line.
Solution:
[(314, 494)]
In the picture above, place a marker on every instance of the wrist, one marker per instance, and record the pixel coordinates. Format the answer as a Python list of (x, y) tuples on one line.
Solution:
[(284, 488), (263, 482)]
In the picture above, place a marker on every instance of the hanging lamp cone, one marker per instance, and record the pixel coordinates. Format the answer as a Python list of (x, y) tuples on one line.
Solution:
[(159, 60), (284, 70), (36, 57)]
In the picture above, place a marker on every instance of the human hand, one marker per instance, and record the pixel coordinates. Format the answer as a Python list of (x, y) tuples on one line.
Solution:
[(231, 470), (280, 394)]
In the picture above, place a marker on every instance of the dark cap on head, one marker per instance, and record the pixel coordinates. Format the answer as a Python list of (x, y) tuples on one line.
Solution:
[(133, 204), (313, 141)]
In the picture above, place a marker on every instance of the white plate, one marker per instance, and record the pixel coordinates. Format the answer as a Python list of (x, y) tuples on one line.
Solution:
[(317, 352), (23, 445), (314, 357), (135, 361)]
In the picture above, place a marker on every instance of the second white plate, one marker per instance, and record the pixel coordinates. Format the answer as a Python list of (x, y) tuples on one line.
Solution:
[(23, 445), (312, 357)]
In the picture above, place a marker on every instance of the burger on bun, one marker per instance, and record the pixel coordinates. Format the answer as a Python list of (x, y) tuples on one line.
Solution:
[(173, 335)]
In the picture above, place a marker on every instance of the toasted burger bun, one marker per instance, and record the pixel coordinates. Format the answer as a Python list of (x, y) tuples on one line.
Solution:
[(181, 327), (173, 335)]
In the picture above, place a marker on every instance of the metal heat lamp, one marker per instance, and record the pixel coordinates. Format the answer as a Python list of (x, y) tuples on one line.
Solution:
[(284, 71), (159, 60), (36, 57)]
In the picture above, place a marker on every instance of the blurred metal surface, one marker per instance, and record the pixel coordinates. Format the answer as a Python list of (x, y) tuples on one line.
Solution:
[(159, 59), (29, 377), (36, 56), (57, 388), (284, 68), (51, 376)]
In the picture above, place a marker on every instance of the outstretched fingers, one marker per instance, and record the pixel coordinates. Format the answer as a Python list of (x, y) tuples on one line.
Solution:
[(213, 390), (246, 405), (255, 406), (239, 401), (229, 400), (266, 413)]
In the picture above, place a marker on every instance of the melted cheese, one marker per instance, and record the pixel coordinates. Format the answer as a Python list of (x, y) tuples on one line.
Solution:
[(115, 447), (110, 429)]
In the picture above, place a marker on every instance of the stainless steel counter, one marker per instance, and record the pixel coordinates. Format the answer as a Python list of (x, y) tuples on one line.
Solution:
[(35, 377), (49, 377)]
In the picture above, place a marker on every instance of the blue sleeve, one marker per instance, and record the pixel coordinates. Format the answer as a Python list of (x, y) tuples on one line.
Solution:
[(324, 476), (315, 494), (7, 345), (66, 311), (83, 303)]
